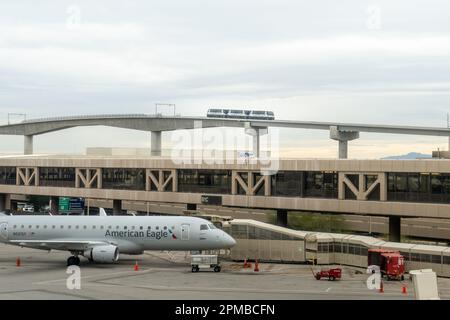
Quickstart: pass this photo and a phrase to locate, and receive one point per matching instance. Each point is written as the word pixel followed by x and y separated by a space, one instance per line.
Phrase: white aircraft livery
pixel 101 238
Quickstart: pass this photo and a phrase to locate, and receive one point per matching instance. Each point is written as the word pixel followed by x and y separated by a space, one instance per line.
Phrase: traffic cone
pixel 404 291
pixel 18 262
pixel 136 266
pixel 381 287
pixel 256 266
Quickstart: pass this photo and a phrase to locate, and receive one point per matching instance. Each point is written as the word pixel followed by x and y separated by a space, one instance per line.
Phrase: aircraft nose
pixel 228 240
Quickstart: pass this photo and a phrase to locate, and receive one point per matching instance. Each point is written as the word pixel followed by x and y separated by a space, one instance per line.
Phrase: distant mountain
pixel 409 156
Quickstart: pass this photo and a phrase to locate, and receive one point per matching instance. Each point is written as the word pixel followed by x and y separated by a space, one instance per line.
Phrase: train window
pixel 275 235
pixel 337 247
pixel 415 257
pixel 351 249
pixel 446 260
pixel 436 259
pixel 364 251
pixel 425 257
pixel 286 237
pixel 344 248
pixel 203 227
pixel 263 234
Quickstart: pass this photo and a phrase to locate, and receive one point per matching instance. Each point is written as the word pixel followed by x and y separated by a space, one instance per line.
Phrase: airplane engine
pixel 103 254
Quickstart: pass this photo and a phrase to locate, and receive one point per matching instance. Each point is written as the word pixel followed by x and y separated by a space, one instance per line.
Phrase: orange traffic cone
pixel 256 266
pixel 18 262
pixel 381 287
pixel 136 266
pixel 404 291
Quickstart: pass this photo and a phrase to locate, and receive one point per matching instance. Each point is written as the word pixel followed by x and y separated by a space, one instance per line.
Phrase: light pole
pixel 16 114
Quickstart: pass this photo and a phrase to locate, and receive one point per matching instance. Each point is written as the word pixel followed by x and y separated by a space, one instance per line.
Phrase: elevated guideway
pixel 156 124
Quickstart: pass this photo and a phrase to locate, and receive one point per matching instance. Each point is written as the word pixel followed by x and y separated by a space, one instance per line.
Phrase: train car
pixel 217 113
pixel 240 114
pixel 261 115
pixel 237 114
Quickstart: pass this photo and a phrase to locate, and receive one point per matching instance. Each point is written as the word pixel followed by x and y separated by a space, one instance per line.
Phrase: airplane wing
pixel 69 245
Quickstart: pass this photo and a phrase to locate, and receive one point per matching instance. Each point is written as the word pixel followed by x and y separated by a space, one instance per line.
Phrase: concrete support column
pixel 256 133
pixel 282 218
pixel 117 207
pixel 28 145
pixel 3 198
pixel 54 205
pixel 256 145
pixel 343 137
pixel 394 229
pixel 343 149
pixel 156 137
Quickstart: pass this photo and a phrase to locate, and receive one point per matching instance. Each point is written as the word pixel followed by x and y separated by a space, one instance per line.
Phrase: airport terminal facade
pixel 401 186
pixel 391 188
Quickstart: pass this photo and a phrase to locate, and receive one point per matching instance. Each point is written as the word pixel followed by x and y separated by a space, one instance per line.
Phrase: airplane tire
pixel 73 261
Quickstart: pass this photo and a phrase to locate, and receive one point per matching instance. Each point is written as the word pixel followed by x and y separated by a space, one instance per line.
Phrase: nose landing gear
pixel 73 261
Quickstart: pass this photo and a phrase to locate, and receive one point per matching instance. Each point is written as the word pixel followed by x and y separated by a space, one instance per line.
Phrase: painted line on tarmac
pixel 133 273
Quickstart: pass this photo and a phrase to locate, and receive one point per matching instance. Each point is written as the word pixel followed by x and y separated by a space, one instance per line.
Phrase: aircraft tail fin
pixel 102 212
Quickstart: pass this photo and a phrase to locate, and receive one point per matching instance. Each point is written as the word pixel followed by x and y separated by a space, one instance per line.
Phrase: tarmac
pixel 167 276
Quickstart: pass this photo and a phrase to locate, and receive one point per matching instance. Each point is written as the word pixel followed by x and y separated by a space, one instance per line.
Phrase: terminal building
pixel 388 188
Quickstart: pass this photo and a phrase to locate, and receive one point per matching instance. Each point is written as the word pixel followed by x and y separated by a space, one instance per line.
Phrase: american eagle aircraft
pixel 101 238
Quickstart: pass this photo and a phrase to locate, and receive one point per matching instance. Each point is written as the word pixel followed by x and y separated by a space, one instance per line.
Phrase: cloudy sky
pixel 385 62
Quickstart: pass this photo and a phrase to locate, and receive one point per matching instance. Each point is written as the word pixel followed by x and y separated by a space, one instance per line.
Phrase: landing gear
pixel 73 261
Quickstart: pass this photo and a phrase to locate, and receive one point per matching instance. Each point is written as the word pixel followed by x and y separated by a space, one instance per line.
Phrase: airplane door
pixel 4 230
pixel 185 232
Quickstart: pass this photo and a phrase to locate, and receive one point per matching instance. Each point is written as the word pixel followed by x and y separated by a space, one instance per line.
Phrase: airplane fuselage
pixel 132 235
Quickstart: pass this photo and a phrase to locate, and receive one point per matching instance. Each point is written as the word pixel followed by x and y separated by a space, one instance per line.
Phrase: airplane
pixel 101 238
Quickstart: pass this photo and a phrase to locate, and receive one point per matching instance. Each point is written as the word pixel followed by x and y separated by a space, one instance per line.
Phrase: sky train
pixel 240 114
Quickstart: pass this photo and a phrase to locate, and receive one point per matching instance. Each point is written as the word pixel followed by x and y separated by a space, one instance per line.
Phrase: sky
pixel 380 62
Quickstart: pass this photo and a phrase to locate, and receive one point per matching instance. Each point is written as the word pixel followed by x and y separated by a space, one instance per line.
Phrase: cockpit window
pixel 212 227
pixel 203 227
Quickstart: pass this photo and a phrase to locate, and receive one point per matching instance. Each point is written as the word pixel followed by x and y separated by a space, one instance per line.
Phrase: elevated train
pixel 240 114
